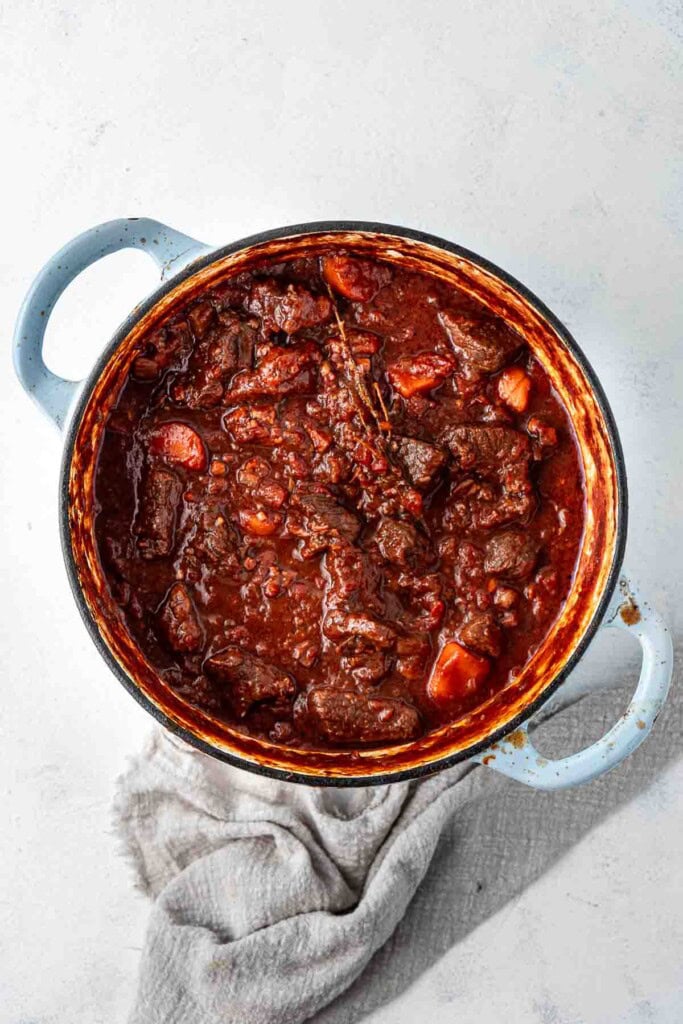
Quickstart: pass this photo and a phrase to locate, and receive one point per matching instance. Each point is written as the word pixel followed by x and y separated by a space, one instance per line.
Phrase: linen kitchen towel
pixel 270 898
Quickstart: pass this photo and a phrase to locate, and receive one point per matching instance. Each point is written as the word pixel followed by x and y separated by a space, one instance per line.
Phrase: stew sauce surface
pixel 338 503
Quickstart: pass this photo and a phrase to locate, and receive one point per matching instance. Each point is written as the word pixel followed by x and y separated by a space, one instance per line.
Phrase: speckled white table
pixel 543 136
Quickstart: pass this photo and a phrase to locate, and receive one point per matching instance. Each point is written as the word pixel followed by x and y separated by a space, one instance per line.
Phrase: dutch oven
pixel 602 594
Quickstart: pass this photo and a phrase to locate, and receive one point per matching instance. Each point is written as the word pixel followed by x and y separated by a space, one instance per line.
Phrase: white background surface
pixel 544 136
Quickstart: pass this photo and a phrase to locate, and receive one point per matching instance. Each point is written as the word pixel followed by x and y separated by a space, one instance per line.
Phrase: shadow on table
pixel 540 827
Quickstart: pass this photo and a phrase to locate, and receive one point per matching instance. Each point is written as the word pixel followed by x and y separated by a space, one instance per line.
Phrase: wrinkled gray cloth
pixel 271 898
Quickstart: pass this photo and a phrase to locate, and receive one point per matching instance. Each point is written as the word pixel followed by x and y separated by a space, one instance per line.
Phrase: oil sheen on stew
pixel 339 503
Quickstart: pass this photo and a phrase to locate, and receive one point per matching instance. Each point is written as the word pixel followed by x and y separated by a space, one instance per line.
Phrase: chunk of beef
pixel 282 371
pixel 261 490
pixel 483 343
pixel 255 424
pixel 179 622
pixel 488 449
pixel 481 633
pixel 227 346
pixel 413 653
pixel 352 585
pixel 232 343
pixel 349 574
pixel 208 539
pixel 343 716
pixel 169 346
pixel 253 470
pixel 200 318
pixel 383 486
pixel 412 375
pixel 511 553
pixel 336 400
pixel 146 367
pixel 324 515
pixel 487 505
pixel 363 663
pixel 423 596
pixel 334 467
pixel 232 293
pixel 500 456
pixel 249 680
pixel 355 278
pixel 339 626
pixel 117 554
pixel 396 540
pixel 517 498
pixel 467 560
pixel 214 538
pixel 361 344
pixel 197 391
pixel 422 461
pixel 270 493
pixel 246 344
pixel 158 511
pixel 287 309
pixel 218 355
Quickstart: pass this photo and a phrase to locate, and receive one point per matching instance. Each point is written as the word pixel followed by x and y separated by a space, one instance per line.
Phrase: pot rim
pixel 364 227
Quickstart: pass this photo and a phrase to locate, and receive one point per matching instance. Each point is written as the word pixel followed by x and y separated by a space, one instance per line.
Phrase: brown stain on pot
pixel 630 612
pixel 592 573
pixel 517 739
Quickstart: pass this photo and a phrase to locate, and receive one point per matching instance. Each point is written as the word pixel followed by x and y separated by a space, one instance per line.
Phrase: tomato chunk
pixel 179 445
pixel 414 375
pixel 457 674
pixel 514 386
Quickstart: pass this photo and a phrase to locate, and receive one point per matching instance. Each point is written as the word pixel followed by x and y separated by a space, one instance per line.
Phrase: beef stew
pixel 339 503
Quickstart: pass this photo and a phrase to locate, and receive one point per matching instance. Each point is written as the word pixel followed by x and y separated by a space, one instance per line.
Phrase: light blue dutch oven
pixel 603 596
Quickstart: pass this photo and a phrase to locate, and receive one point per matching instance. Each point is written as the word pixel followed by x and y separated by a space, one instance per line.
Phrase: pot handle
pixel 169 249
pixel 516 755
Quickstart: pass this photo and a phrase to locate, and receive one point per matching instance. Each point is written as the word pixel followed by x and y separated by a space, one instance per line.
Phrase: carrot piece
pixel 408 384
pixel 514 386
pixel 413 375
pixel 456 674
pixel 179 445
pixel 260 523
pixel 355 279
pixel 545 434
